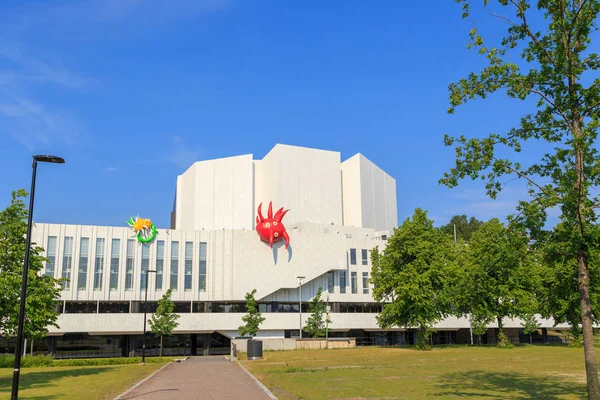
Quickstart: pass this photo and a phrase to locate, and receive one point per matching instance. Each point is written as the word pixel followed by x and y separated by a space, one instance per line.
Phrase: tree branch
pixel 540 187
pixel 530 34
pixel 581 5
pixel 590 108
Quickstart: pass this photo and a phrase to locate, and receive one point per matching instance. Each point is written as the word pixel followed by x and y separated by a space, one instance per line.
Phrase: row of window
pixel 353 282
pixel 105 307
pixel 364 255
pixel 114 262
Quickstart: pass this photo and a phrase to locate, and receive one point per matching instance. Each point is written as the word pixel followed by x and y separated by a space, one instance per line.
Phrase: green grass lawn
pixel 73 383
pixel 525 372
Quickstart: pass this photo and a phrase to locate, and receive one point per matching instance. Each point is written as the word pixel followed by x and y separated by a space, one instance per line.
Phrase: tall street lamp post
pixel 300 279
pixel 19 346
pixel 327 323
pixel 145 310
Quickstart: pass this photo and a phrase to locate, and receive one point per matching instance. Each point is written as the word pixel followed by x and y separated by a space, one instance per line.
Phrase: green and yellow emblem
pixel 144 229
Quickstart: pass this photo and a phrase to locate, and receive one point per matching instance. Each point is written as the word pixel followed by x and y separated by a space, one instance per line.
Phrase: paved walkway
pixel 200 378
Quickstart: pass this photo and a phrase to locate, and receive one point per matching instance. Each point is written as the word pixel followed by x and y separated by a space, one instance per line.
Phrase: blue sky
pixel 131 92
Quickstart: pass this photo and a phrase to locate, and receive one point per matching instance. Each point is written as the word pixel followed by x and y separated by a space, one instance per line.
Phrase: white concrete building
pixel 212 256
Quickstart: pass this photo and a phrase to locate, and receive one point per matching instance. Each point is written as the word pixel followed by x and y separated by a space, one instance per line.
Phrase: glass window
pixel 202 269
pixel 145 265
pixel 343 282
pixel 189 260
pixel 99 264
pixel 352 256
pixel 129 264
pixel 67 262
pixel 174 264
pixel 84 248
pixel 51 256
pixel 160 260
pixel 365 257
pixel 330 282
pixel 353 282
pixel 114 263
pixel 365 276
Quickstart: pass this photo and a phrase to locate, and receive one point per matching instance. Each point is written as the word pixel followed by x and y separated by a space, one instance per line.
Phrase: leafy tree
pixel 315 324
pixel 253 318
pixel 498 280
pixel 415 276
pixel 479 327
pixel 43 292
pixel 559 296
pixel 464 227
pixel 164 320
pixel 530 325
pixel 551 64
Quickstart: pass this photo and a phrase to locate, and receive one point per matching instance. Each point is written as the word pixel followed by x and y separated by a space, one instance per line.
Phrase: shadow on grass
pixel 508 385
pixel 36 380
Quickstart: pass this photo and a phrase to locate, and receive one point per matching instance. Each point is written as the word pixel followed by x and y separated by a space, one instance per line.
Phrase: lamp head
pixel 49 159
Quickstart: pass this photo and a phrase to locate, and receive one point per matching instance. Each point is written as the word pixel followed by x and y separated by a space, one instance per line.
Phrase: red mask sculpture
pixel 271 229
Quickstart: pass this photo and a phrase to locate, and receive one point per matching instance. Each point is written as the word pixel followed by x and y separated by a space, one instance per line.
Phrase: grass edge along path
pixel 525 372
pixel 76 382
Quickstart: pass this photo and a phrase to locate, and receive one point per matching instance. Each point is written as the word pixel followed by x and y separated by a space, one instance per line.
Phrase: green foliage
pixel 546 55
pixel 416 276
pixel 498 280
pixel 503 341
pixel 82 362
pixel 43 292
pixel 530 324
pixel 315 324
pixel 464 227
pixel 253 318
pixel 423 341
pixel 28 361
pixel 49 361
pixel 164 320
pixel 558 274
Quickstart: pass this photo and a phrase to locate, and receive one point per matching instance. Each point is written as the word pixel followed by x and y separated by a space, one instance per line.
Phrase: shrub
pixel 7 361
pixel 82 362
pixel 28 361
pixel 49 361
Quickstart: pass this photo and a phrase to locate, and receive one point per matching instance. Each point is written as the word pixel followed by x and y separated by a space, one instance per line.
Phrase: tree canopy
pixel 415 276
pixel 499 279
pixel 315 323
pixel 43 292
pixel 253 318
pixel 545 57
pixel 465 227
pixel 164 320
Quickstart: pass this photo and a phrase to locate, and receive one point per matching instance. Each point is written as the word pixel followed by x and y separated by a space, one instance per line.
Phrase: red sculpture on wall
pixel 271 229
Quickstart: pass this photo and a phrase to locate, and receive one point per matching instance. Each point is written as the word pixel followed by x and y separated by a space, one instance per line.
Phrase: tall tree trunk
pixel 499 339
pixel 530 339
pixel 591 370
pixel 589 350
pixel 160 346
pixel 31 352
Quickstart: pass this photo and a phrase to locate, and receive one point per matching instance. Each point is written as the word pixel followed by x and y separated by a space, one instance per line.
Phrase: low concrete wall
pixel 268 344
pixel 313 344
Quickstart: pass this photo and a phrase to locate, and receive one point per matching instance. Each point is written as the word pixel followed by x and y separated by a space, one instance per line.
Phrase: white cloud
pixel 180 154
pixel 111 169
pixel 21 115
pixel 31 123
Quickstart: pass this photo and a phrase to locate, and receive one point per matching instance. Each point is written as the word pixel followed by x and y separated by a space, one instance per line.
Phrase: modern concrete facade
pixel 315 184
pixel 339 212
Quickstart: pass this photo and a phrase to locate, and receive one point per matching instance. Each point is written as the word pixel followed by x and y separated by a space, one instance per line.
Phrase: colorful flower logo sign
pixel 144 229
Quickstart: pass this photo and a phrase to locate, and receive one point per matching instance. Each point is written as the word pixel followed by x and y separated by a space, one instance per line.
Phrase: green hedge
pixel 27 362
pixel 80 362
pixel 49 361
